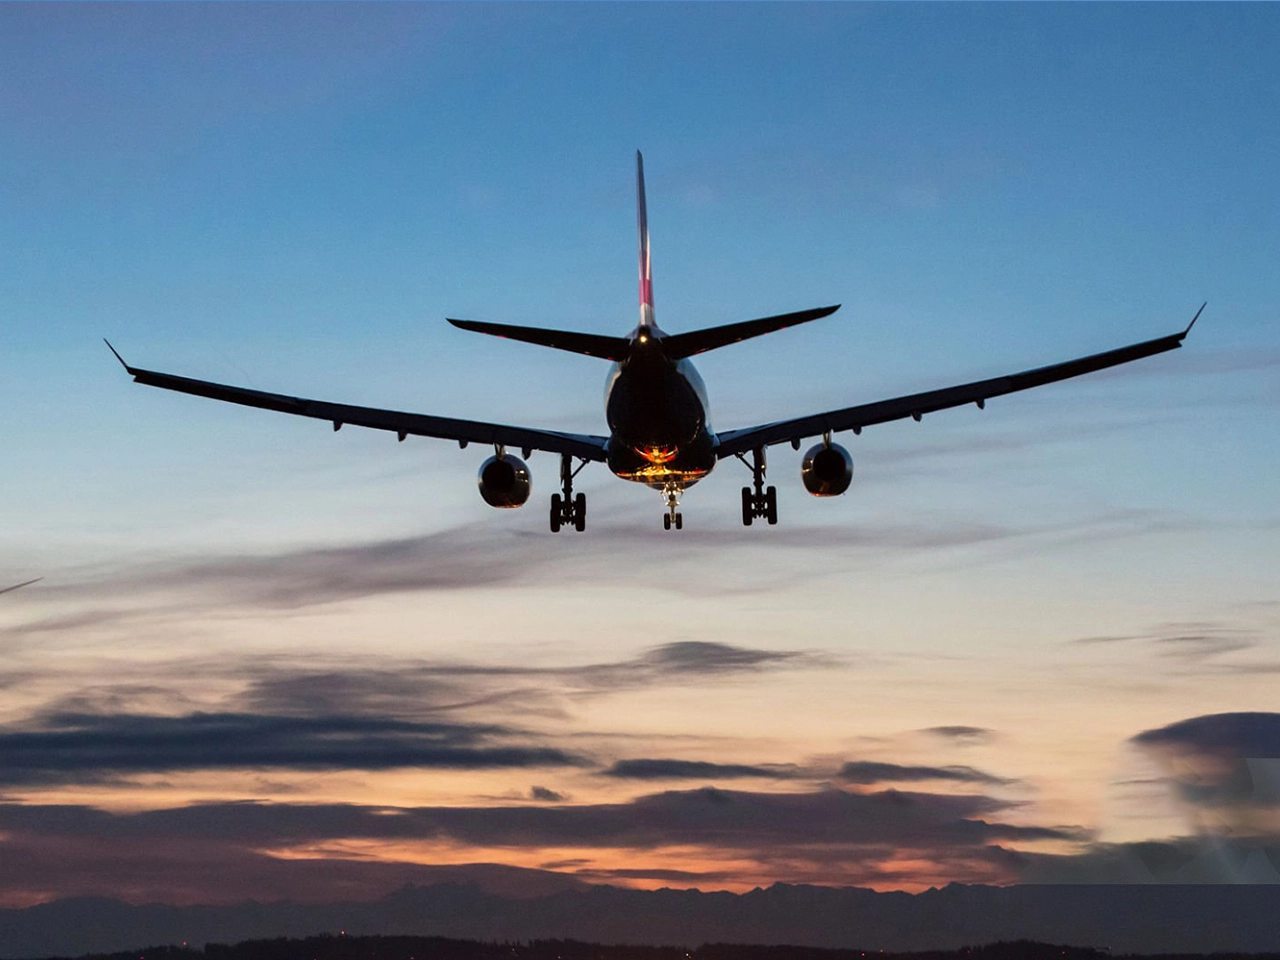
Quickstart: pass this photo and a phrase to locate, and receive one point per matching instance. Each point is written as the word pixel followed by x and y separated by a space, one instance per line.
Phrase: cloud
pixel 1180 860
pixel 693 770
pixel 961 734
pixel 1222 734
pixel 77 747
pixel 1223 760
pixel 799 835
pixel 405 688
pixel 545 794
pixel 1223 769
pixel 1197 645
pixel 442 685
pixel 869 772
pixel 259 715
pixel 176 592
pixel 1198 642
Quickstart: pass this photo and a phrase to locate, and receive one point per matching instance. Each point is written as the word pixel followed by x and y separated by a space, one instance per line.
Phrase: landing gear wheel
pixel 757 500
pixel 679 521
pixel 566 509
pixel 666 521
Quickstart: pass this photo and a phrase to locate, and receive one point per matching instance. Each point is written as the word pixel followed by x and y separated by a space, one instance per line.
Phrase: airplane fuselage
pixel 656 408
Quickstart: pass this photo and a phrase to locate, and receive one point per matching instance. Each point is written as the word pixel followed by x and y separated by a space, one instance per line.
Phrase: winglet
pixel 127 368
pixel 642 219
pixel 16 586
pixel 1194 319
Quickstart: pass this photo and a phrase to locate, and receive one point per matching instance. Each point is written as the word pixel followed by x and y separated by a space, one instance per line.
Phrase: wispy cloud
pixel 869 772
pixel 170 594
pixel 429 714
pixel 1193 644
pixel 70 748
pixel 961 734
pixel 696 770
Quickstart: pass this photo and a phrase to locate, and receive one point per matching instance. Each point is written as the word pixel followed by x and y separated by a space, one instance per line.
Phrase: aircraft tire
pixel 666 521
pixel 771 504
pixel 748 508
pixel 679 521
pixel 556 512
pixel 580 512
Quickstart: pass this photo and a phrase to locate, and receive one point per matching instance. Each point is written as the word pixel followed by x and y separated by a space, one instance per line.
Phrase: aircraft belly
pixel 657 422
pixel 660 466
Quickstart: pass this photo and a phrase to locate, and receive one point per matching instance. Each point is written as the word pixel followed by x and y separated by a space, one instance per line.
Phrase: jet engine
pixel 827 470
pixel 504 481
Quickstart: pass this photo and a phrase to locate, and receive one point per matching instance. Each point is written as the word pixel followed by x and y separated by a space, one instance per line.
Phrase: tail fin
pixel 646 277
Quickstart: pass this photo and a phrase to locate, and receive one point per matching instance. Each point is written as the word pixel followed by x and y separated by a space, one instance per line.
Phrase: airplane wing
pixel 916 405
pixel 25 583
pixel 583 446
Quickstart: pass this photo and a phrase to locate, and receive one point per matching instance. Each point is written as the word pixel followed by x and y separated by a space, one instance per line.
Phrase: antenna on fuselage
pixel 646 276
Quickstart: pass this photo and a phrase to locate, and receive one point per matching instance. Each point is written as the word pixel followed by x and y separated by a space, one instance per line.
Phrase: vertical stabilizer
pixel 646 277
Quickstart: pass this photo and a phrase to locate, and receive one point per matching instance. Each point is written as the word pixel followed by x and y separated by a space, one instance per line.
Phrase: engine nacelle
pixel 504 481
pixel 827 470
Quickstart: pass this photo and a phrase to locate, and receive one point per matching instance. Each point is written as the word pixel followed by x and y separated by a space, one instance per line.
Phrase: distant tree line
pixel 342 947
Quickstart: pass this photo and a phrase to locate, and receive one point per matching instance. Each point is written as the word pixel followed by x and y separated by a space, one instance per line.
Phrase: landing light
pixel 658 455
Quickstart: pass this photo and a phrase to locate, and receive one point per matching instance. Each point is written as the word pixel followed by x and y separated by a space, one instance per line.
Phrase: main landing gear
pixel 758 500
pixel 566 509
pixel 673 517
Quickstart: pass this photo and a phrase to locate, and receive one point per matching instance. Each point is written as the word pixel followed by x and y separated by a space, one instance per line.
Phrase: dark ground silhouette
pixel 329 947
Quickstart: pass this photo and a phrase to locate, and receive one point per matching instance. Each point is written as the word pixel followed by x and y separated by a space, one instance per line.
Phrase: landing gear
pixel 758 500
pixel 566 509
pixel 673 516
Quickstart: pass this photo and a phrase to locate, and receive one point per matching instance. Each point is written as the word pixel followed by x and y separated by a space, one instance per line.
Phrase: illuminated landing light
pixel 658 455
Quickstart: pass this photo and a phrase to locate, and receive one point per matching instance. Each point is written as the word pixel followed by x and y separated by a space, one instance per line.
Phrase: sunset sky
pixel 1034 643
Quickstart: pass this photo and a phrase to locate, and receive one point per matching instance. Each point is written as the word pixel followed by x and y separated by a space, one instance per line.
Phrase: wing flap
pixel 918 404
pixel 582 446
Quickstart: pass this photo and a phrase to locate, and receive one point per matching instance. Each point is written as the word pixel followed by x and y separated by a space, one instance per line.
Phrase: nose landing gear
pixel 673 516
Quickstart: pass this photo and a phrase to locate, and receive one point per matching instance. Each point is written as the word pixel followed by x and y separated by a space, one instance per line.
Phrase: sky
pixel 1035 643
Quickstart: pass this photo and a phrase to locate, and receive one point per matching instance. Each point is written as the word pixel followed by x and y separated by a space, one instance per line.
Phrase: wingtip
pixel 17 586
pixel 1195 318
pixel 117 355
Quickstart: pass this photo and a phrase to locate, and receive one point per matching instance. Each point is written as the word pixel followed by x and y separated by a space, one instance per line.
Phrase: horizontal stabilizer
pixel 677 346
pixel 590 344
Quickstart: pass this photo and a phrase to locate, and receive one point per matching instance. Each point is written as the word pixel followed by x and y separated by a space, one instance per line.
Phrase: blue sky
pixel 293 197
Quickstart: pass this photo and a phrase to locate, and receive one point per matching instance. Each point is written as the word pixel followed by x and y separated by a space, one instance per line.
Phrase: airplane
pixel 657 411
pixel 25 583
